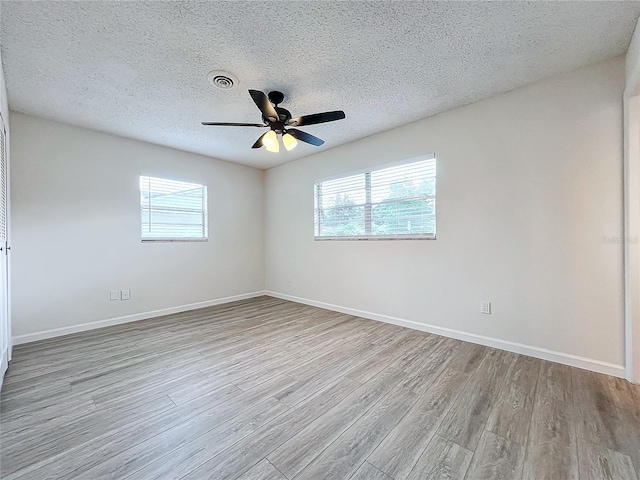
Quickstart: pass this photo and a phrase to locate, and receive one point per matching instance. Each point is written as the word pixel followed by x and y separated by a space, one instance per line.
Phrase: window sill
pixel 169 240
pixel 377 238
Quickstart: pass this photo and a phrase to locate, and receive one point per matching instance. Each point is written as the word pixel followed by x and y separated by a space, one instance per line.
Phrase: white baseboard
pixel 528 350
pixel 58 332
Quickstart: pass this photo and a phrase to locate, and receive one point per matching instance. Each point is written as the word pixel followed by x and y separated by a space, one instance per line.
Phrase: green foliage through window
pixel 392 202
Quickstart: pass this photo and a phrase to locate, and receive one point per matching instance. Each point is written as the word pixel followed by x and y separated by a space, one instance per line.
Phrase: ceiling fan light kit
pixel 279 122
pixel 270 141
pixel 289 141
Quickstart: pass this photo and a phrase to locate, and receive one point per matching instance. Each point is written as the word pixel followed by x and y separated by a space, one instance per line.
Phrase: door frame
pixel 7 148
pixel 7 354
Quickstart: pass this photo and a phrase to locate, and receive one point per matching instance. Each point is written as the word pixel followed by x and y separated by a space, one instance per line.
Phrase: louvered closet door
pixel 5 329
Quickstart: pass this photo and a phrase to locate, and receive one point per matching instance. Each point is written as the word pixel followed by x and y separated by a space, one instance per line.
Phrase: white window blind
pixel 393 202
pixel 172 210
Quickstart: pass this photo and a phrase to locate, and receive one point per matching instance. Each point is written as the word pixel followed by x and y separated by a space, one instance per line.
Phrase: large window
pixel 172 210
pixel 393 202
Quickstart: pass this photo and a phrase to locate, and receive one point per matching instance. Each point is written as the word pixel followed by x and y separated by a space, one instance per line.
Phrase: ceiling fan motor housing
pixel 284 114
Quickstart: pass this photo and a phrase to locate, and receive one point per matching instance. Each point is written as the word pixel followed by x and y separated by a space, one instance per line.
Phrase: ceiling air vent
pixel 221 79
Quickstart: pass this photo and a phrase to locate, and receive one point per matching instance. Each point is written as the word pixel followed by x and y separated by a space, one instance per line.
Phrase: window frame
pixel 367 205
pixel 205 212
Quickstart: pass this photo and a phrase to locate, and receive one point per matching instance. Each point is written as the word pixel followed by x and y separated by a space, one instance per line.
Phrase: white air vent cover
pixel 221 79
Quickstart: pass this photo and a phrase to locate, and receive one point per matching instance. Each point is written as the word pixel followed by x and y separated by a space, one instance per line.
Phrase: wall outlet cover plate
pixel 485 307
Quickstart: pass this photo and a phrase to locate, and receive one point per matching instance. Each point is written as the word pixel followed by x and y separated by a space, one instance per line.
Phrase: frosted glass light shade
pixel 270 141
pixel 289 141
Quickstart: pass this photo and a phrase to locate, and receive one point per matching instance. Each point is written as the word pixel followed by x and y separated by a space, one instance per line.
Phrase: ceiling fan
pixel 280 122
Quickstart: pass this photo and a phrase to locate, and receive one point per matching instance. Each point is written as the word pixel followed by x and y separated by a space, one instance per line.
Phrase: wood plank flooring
pixel 266 389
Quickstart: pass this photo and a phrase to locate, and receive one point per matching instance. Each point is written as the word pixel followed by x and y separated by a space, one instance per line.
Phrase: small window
pixel 394 202
pixel 172 210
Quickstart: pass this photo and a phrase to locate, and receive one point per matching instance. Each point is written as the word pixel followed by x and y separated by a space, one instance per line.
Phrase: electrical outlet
pixel 485 307
pixel 124 294
pixel 113 295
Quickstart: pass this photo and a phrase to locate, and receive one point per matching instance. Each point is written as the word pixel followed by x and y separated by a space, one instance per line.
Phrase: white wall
pixel 632 207
pixel 76 229
pixel 632 64
pixel 4 105
pixel 529 183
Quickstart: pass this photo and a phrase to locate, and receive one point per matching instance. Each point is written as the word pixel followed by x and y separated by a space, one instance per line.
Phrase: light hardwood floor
pixel 273 390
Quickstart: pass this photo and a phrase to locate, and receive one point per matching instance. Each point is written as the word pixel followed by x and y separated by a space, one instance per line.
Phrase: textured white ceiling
pixel 139 69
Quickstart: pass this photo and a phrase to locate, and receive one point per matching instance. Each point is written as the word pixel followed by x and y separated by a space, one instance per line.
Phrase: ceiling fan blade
pixel 317 118
pixel 234 124
pixel 264 105
pixel 258 143
pixel 305 137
